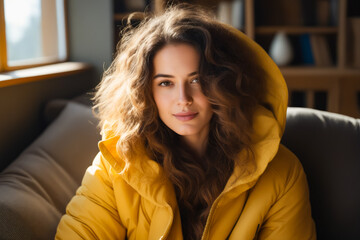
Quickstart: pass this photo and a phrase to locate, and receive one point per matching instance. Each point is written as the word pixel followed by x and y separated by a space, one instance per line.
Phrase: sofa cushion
pixel 37 186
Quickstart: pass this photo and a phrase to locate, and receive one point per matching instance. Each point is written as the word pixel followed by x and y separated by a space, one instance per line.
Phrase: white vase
pixel 281 50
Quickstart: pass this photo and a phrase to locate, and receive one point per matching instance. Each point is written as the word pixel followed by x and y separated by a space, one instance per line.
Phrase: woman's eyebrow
pixel 171 76
pixel 163 75
pixel 192 74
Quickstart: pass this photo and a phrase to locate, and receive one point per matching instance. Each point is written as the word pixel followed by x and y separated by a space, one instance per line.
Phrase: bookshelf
pixel 332 28
pixel 295 30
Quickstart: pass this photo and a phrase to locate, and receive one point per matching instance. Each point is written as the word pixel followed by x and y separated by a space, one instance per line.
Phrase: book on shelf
pixel 334 12
pixel 315 50
pixel 321 50
pixel 323 12
pixel 308 9
pixel 279 12
pixel 291 12
pixel 128 6
pixel 306 49
pixel 297 12
pixel 354 42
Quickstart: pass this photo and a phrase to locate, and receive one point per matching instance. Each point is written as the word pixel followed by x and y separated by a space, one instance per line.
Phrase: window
pixel 32 32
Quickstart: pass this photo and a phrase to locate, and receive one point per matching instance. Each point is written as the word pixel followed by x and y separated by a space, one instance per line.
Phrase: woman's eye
pixel 195 80
pixel 165 83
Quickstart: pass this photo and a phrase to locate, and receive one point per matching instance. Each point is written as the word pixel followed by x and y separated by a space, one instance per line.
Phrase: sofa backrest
pixel 328 146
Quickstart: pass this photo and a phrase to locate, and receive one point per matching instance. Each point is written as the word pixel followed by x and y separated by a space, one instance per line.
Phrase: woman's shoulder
pixel 286 159
pixel 285 168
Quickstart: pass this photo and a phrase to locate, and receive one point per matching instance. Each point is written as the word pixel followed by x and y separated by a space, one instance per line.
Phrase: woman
pixel 192 113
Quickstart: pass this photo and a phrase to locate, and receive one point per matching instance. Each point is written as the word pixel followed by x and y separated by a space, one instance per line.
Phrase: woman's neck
pixel 197 143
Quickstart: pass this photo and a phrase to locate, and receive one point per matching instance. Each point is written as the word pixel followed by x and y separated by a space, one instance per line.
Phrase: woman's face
pixel 177 92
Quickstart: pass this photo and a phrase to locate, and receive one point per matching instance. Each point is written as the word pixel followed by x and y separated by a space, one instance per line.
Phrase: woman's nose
pixel 184 96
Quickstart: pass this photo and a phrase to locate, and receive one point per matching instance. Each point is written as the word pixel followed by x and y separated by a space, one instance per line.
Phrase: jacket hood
pixel 276 97
pixel 270 116
pixel 269 125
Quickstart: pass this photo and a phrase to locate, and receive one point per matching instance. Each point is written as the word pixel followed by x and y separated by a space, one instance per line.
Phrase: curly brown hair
pixel 126 107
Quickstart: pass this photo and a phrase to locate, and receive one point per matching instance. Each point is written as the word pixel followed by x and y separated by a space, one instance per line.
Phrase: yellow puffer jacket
pixel 140 203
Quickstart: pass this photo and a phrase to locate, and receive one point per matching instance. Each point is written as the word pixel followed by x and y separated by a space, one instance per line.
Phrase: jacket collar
pixel 143 174
pixel 148 178
pixel 265 143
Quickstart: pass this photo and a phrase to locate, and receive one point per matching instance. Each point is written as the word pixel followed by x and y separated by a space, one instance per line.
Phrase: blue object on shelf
pixel 306 51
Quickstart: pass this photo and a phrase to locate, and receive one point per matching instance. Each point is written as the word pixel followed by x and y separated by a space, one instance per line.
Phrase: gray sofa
pixel 36 187
pixel 328 146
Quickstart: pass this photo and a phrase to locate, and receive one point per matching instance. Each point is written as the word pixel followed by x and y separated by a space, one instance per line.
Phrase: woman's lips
pixel 185 116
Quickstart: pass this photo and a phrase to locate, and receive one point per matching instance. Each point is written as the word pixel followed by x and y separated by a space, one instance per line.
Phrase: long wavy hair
pixel 126 107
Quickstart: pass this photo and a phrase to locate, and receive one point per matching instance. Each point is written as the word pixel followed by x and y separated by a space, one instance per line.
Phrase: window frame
pixel 4 67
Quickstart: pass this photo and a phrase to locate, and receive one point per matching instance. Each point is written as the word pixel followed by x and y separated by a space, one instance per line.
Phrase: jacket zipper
pixel 210 217
pixel 247 197
pixel 211 213
pixel 257 232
